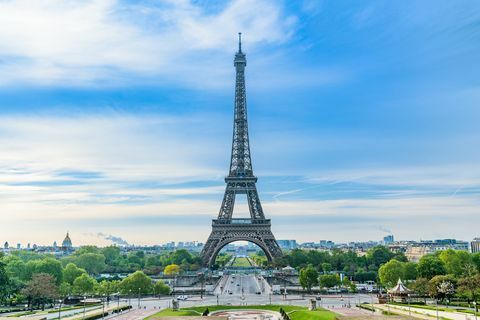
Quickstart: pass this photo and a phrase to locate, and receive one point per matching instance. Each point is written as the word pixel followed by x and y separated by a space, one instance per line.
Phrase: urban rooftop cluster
pixel 412 249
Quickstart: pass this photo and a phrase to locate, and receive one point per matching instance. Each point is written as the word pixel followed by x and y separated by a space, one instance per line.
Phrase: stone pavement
pixel 135 314
pixel 425 313
pixel 351 312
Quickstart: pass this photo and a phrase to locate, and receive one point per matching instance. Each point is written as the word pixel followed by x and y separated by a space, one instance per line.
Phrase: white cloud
pixel 85 42
pixel 57 172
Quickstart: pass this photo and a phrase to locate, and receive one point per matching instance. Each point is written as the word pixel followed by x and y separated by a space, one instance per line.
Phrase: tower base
pixel 226 231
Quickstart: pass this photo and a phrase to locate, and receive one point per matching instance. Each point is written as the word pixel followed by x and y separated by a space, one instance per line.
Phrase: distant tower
pixel 240 180
pixel 6 245
pixel 19 246
pixel 388 239
pixel 55 244
pixel 67 243
pixel 28 245
pixel 475 245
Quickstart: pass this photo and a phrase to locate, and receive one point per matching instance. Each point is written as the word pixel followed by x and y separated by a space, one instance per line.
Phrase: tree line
pixel 442 275
pixel 36 279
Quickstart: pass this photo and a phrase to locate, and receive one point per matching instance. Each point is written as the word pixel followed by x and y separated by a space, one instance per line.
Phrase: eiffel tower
pixel 240 180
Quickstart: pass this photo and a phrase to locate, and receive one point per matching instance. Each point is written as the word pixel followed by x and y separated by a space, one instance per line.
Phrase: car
pixel 318 298
pixel 182 297
pixel 230 292
pixel 258 292
pixel 238 284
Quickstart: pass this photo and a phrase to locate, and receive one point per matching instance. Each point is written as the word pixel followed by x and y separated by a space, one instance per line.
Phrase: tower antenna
pixel 239 42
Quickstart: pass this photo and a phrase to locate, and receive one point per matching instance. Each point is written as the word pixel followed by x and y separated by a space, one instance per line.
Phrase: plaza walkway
pixel 135 314
pixel 425 313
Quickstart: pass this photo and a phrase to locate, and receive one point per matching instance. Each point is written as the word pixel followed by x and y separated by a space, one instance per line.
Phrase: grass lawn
pixel 241 262
pixel 170 312
pixel 296 313
pixel 312 315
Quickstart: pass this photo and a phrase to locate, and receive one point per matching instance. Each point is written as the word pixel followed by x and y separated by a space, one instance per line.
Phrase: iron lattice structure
pixel 240 180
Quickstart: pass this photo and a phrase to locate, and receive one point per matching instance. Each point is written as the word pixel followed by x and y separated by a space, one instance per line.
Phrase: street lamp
pixel 436 306
pixel 270 297
pixel 129 297
pixel 373 308
pixel 103 307
pixel 409 309
pixel 84 305
pixel 59 308
pixel 201 287
pixel 138 298
pixel 475 309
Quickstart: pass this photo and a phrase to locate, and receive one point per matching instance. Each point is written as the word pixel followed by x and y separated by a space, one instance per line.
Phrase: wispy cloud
pixel 82 43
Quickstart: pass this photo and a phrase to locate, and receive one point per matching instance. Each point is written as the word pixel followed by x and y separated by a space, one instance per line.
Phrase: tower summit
pixel 240 180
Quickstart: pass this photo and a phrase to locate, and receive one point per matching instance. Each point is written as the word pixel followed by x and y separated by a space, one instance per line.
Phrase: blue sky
pixel 116 117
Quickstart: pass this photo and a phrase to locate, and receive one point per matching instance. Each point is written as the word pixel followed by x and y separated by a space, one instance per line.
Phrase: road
pixel 241 284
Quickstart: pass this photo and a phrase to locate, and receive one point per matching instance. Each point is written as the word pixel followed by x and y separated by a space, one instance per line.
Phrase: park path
pixel 425 313
pixel 350 312
pixel 136 314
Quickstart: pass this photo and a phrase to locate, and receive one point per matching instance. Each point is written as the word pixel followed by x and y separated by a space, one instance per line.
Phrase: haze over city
pixel 363 118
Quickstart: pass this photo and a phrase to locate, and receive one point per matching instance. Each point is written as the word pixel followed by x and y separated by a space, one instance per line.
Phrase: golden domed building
pixel 67 243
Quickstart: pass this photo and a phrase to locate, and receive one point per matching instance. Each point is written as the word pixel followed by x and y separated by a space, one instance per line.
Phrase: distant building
pixel 326 244
pixel 67 243
pixel 288 244
pixel 417 250
pixel 55 245
pixel 388 240
pixel 6 245
pixel 19 246
pixel 475 245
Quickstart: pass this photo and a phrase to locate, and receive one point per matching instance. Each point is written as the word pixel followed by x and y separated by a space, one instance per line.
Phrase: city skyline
pixel 123 127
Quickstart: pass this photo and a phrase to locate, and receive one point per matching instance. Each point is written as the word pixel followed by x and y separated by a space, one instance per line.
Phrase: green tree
pixel 441 287
pixel 87 249
pixel 137 281
pixel 179 256
pixel 308 278
pixel 72 272
pixel 40 290
pixel 329 280
pixel 107 287
pixel 160 288
pixel 171 270
pixel 456 262
pixel 410 271
pixel 326 267
pixel 390 272
pixel 297 258
pixel 93 263
pixel 430 266
pixel 84 285
pixel 4 283
pixel 420 287
pixel 362 276
pixel 469 287
pixel 15 267
pixel 65 289
pixel 112 254
pixel 47 265
pixel 379 255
